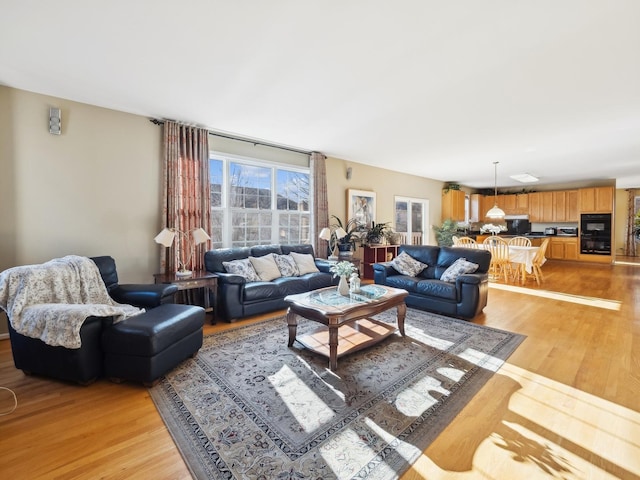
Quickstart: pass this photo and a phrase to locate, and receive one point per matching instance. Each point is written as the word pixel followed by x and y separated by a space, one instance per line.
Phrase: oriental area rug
pixel 249 407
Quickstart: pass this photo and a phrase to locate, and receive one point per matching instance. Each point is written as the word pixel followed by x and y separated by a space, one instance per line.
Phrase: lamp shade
pixel 340 232
pixel 495 212
pixel 325 234
pixel 199 236
pixel 165 237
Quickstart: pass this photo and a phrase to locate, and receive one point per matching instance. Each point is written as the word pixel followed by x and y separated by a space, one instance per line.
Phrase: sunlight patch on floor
pixel 584 422
pixel 565 297
pixel 550 430
pixel 292 390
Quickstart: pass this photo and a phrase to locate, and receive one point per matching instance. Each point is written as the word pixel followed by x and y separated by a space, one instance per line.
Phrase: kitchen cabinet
pixel 572 211
pixel 559 200
pixel 596 200
pixel 563 248
pixel 557 206
pixel 535 213
pixel 541 207
pixel 453 205
pixel 565 206
pixel 377 254
pixel 546 206
pixel 514 203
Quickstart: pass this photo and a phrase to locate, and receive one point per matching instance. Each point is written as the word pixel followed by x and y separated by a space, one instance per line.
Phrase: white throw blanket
pixel 52 300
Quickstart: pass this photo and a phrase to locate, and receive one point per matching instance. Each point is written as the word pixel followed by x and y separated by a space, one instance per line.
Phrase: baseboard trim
pixel 4 336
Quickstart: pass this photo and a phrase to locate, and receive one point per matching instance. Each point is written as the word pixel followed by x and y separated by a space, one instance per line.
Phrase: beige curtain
pixel 317 164
pixel 186 203
pixel 630 239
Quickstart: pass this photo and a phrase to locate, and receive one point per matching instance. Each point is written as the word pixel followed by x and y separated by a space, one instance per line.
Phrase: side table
pixel 199 279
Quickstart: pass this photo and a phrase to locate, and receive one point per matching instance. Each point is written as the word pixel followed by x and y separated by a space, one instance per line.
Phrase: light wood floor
pixel 566 405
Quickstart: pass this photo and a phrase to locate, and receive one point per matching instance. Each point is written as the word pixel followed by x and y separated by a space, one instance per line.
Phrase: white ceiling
pixel 440 89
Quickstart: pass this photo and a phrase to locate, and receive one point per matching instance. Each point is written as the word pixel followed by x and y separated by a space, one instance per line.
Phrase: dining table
pixel 520 255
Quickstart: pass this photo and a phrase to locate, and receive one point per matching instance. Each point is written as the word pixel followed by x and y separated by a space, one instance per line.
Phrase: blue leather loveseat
pixel 464 298
pixel 237 297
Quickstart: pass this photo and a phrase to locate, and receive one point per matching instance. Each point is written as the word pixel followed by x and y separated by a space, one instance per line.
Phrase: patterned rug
pixel 249 407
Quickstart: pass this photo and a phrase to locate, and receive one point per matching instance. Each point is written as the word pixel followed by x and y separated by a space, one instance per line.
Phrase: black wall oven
pixel 595 233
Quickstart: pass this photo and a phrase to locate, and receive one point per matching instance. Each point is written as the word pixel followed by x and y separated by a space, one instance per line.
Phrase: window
pixel 257 202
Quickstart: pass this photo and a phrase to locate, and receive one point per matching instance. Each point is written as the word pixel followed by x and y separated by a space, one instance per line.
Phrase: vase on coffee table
pixel 343 286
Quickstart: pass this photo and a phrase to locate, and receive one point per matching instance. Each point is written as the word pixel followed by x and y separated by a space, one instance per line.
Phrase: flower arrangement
pixel 493 229
pixel 342 269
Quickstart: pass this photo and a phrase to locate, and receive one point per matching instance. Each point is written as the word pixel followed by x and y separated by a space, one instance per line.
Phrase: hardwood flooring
pixel 565 405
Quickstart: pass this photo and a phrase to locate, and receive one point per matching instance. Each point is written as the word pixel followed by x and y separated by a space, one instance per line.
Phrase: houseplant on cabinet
pixel 376 233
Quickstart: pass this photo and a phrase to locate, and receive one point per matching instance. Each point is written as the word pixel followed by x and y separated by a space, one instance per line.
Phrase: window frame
pixel 225 239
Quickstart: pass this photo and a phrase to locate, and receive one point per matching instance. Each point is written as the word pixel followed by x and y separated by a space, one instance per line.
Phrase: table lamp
pixel 187 240
pixel 332 236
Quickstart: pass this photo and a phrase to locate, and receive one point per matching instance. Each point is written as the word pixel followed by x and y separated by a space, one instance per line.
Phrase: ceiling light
pixel 496 211
pixel 525 178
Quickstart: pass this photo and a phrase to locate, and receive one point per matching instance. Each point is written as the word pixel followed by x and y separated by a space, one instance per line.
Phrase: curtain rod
pixel 155 121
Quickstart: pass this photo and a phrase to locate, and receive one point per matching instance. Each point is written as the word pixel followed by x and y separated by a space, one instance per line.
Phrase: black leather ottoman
pixel 145 347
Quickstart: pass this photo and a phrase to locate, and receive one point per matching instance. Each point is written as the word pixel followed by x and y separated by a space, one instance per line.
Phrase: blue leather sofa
pixel 237 298
pixel 465 298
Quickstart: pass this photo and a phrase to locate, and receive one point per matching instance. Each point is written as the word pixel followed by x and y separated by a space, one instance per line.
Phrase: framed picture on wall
pixel 361 206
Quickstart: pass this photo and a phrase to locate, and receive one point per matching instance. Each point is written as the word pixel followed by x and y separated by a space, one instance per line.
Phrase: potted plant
pixel 346 243
pixel 376 233
pixel 445 232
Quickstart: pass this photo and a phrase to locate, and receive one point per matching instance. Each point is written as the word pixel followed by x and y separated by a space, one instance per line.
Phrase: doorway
pixel 411 219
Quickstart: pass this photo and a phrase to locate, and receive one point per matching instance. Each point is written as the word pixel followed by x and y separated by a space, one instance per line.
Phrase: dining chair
pixel 500 264
pixel 466 242
pixel 538 260
pixel 455 239
pixel 519 241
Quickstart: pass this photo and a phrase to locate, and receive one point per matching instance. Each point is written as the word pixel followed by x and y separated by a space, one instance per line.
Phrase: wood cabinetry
pixel 535 212
pixel 596 200
pixel 546 206
pixel 558 206
pixel 376 254
pixel 572 211
pixel 563 248
pixel 453 205
pixel 514 203
pixel 565 206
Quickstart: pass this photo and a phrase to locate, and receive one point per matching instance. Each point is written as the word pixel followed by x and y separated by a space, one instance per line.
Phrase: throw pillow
pixel 287 265
pixel 305 262
pixel 457 268
pixel 407 265
pixel 243 268
pixel 265 267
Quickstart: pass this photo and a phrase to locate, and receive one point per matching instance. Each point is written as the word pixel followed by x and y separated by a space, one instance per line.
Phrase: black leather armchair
pixel 139 295
pixel 85 364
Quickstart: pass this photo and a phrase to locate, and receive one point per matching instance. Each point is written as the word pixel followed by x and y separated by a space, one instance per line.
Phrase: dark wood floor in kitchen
pixel 566 404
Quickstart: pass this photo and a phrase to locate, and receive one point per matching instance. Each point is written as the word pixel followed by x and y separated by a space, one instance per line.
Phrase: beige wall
pixel 94 190
pixel 386 184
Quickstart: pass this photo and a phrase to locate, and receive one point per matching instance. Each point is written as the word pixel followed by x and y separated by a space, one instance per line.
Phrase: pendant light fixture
pixel 495 212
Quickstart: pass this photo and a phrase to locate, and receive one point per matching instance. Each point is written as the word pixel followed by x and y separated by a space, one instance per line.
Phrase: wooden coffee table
pixel 348 327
